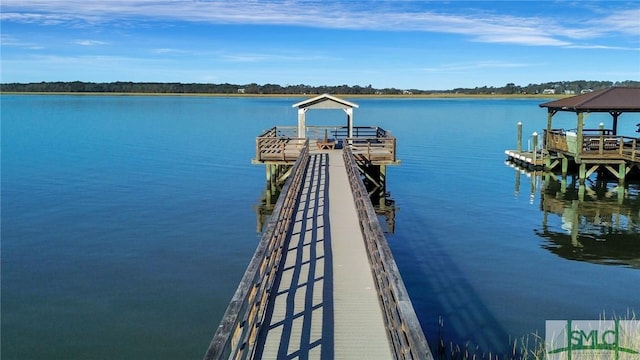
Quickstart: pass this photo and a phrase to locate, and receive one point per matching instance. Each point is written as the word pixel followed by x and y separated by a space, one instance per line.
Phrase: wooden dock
pixel 527 159
pixel 322 283
pixel 588 150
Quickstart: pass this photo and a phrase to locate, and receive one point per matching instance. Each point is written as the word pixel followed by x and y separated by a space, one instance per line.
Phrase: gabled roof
pixel 325 101
pixel 622 99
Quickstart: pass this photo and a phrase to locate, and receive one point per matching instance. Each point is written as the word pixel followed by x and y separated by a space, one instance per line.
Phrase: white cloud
pixel 604 47
pixel 90 42
pixel 479 25
pixel 35 18
pixel 624 21
pixel 522 39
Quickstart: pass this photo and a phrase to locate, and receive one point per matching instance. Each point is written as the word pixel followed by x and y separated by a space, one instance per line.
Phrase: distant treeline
pixel 563 87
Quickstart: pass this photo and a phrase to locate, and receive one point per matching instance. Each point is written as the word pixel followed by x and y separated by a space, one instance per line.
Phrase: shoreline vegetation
pixel 354 96
pixel 533 346
pixel 546 90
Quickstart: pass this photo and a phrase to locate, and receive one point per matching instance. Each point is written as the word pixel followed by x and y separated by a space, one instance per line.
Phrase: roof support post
pixel 615 115
pixel 302 127
pixel 349 112
pixel 550 114
pixel 580 135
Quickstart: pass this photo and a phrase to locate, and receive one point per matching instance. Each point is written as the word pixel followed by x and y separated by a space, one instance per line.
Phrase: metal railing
pixel 403 328
pixel 237 333
pixel 342 132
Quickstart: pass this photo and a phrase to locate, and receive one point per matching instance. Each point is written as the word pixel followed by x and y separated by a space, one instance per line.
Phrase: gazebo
pixel 614 100
pixel 595 147
pixel 324 101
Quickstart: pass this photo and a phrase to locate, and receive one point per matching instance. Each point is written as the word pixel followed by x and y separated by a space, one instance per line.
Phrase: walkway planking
pixel 326 305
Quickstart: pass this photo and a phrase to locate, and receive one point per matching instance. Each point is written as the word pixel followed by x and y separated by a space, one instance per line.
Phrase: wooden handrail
pixel 237 333
pixel 278 148
pixel 281 144
pixel 595 141
pixel 381 149
pixel 403 328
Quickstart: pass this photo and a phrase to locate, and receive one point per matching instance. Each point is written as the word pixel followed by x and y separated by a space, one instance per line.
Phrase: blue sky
pixel 401 43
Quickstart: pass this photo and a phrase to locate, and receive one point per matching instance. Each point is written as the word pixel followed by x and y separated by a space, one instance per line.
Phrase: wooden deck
pixel 372 144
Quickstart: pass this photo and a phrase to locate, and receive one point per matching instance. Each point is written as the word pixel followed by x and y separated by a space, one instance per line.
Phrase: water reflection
pixel 385 208
pixel 598 222
pixel 264 207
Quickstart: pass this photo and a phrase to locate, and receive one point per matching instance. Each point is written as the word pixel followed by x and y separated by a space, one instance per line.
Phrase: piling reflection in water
pixel 385 207
pixel 597 222
pixel 264 208
pixel 600 222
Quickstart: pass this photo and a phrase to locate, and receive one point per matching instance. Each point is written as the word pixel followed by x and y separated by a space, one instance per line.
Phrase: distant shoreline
pixel 354 96
pixel 122 88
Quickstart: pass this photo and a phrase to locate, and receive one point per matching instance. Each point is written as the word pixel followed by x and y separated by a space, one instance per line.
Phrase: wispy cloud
pixel 624 21
pixel 478 25
pixel 8 40
pixel 604 47
pixel 36 18
pixel 169 51
pixel 90 42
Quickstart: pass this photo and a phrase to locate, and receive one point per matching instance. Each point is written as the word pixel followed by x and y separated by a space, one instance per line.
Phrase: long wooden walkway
pixel 322 283
pixel 326 305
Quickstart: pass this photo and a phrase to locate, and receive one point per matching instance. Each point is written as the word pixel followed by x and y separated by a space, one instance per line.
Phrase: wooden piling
pixel 519 145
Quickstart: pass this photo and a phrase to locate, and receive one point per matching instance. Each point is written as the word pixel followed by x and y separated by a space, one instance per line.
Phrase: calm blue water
pixel 128 221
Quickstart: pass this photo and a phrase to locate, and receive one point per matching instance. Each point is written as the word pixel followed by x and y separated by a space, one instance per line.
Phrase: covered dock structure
pixel 373 147
pixel 593 149
pixel 324 101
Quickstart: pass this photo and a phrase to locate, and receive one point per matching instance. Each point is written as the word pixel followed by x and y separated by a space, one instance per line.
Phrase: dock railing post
pixel 519 146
